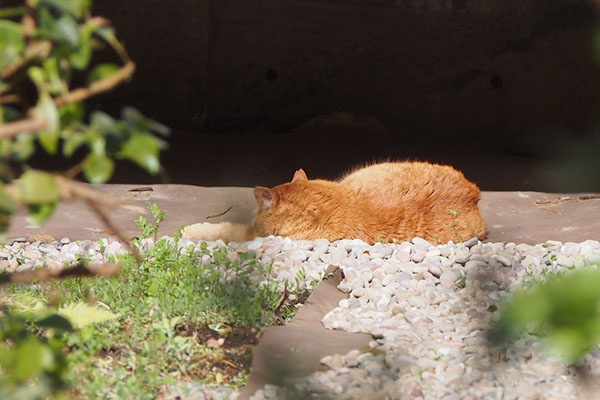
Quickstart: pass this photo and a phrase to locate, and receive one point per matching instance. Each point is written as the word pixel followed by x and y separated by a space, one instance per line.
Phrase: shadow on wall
pixel 481 73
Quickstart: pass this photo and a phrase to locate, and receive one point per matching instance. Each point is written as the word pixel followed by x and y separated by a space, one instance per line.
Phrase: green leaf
pixel 13 12
pixel 23 147
pixel 76 8
pixel 61 29
pixel 37 76
pixel 7 204
pixel 563 310
pixel 103 122
pixel 4 225
pixel 72 141
pixel 53 79
pixel 7 207
pixel 66 30
pixel 96 142
pixel 39 213
pixel 102 71
pixel 81 314
pixel 108 34
pixel 37 187
pixel 138 122
pixel 12 43
pixel 71 114
pixel 55 321
pixel 82 56
pixel 143 149
pixel 8 114
pixel 46 23
pixel 569 343
pixel 98 168
pixel 49 136
pixel 31 358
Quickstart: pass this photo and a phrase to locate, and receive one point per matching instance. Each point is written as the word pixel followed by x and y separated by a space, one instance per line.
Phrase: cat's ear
pixel 299 175
pixel 265 198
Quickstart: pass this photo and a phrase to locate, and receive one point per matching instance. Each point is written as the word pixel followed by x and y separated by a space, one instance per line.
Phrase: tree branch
pixel 97 87
pixel 70 189
pixel 35 124
pixel 9 99
pixel 14 128
pixel 113 228
pixel 47 274
pixel 34 50
pixel 75 170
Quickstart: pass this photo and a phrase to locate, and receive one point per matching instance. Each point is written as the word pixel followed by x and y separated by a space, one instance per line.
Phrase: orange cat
pixel 387 201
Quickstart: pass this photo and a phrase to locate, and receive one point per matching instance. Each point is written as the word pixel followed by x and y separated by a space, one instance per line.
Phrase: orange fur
pixel 387 201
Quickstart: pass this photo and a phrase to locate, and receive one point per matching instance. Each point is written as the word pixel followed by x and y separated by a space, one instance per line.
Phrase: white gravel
pixel 427 308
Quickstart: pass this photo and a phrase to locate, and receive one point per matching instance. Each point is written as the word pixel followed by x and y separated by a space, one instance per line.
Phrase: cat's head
pixel 289 209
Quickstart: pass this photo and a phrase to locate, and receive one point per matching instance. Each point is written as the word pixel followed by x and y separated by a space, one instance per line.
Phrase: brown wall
pixel 507 74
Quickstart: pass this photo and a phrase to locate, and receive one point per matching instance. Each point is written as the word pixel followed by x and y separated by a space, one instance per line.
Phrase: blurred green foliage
pixel 46 74
pixel 32 366
pixel 563 311
pixel 46 46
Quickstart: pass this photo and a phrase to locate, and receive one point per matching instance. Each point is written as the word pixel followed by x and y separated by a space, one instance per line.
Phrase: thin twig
pixel 72 189
pixel 32 124
pixel 34 50
pixel 47 274
pixel 11 69
pixel 280 302
pixel 94 206
pixel 10 99
pixel 69 190
pixel 98 21
pixel 75 170
pixel 96 87
pixel 221 214
pixel 120 50
pixel 28 25
pixel 232 365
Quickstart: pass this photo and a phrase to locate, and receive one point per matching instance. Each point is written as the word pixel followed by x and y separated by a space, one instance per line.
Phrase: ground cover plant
pixel 171 318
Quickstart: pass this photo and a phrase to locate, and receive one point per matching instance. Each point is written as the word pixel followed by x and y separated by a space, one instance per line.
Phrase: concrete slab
pixel 533 217
pixel 286 353
pixel 184 205
pixel 525 217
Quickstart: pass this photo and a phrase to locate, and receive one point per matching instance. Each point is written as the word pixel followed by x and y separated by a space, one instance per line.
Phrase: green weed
pixel 178 317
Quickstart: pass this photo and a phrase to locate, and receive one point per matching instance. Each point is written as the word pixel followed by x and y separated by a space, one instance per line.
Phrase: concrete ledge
pixel 524 217
pixel 292 351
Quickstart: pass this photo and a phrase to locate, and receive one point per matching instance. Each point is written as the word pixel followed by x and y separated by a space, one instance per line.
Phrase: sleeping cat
pixel 388 201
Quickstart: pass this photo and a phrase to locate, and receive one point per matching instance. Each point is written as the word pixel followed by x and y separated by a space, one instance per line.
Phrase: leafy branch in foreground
pixel 563 311
pixel 32 367
pixel 45 46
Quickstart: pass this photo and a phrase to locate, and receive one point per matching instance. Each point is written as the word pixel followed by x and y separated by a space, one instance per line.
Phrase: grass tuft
pixel 182 314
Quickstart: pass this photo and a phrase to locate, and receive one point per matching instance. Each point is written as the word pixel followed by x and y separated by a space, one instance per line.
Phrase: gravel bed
pixel 426 306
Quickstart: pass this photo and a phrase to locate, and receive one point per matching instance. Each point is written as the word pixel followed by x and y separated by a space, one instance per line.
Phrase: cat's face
pixel 287 209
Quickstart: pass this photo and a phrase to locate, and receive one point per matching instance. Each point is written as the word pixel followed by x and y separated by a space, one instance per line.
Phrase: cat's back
pixel 432 201
pixel 387 181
